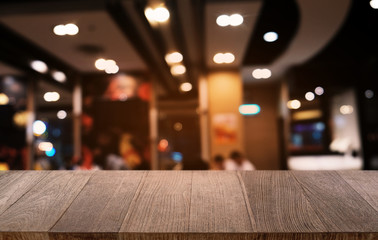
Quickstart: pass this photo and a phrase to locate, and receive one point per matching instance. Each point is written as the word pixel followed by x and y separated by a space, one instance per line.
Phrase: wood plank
pixel 101 206
pixel 14 185
pixel 278 203
pixel 218 203
pixel 365 183
pixel 24 236
pixel 161 205
pixel 40 208
pixel 336 203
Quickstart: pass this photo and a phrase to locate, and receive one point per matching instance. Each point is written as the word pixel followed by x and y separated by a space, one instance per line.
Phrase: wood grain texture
pixel 249 236
pixel 24 236
pixel 40 208
pixel 278 203
pixel 161 204
pixel 365 183
pixel 14 185
pixel 336 203
pixel 218 203
pixel 102 204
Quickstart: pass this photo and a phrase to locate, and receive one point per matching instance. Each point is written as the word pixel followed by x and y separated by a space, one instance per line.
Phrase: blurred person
pixel 236 161
pixel 218 163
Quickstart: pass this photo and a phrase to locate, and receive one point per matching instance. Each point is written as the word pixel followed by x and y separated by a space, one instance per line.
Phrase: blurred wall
pixel 226 124
pixel 261 134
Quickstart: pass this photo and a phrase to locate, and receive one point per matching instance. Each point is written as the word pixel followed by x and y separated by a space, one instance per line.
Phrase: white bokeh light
pixel 310 96
pixel 59 76
pixel 39 127
pixel 236 19
pixel 270 36
pixel 186 87
pixel 39 66
pixel 223 20
pixel 319 91
pixel 61 114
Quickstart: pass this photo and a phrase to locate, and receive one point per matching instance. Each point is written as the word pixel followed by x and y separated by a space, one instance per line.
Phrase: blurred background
pixel 170 84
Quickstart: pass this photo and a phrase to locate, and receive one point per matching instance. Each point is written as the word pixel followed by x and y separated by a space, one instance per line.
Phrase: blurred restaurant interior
pixel 170 84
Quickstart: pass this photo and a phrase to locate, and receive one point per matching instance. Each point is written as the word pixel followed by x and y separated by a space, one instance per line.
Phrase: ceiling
pixel 118 30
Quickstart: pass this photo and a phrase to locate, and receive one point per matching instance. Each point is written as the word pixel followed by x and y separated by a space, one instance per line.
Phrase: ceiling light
pixel 178 70
pixel 236 20
pixel 294 104
pixel 174 57
pixel 160 14
pixel 270 36
pixel 220 58
pixel 186 87
pixel 309 96
pixel 59 76
pixel 61 114
pixel 319 91
pixel 233 20
pixel 39 66
pixel 228 58
pixel 374 4
pixel 261 73
pixel 100 64
pixel 223 20
pixel 111 69
pixel 4 99
pixel 68 29
pixel 51 96
pixel 249 109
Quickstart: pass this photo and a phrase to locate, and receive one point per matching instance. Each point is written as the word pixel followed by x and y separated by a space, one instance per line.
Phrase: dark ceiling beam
pixel 181 43
pixel 18 52
pixel 129 28
pixel 198 16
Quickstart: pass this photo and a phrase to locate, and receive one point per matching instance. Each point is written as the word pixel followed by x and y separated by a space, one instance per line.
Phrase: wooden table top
pixel 189 205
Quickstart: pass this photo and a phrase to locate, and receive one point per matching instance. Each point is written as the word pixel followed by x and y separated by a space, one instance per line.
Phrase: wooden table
pixel 188 205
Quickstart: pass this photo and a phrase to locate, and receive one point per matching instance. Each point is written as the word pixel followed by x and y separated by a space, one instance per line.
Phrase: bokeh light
pixel 369 94
pixel 310 96
pixel 39 66
pixel 68 29
pixel 59 76
pixel 220 58
pixel 45 146
pixel 174 57
pixel 249 109
pixel 4 99
pixel 294 104
pixel 159 14
pixel 178 70
pixel 61 114
pixel 261 73
pixel 186 87
pixel 319 91
pixel 270 36
pixel 51 96
pixel 346 109
pixel 50 153
pixel 39 128
pixel 233 20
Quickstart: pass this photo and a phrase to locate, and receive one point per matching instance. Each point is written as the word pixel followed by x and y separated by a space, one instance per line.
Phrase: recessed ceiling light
pixel 59 76
pixel 39 66
pixel 160 14
pixel 233 20
pixel 261 73
pixel 374 4
pixel 110 66
pixel 174 57
pixel 178 70
pixel 236 20
pixel 220 58
pixel 270 36
pixel 309 96
pixel 68 29
pixel 186 87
